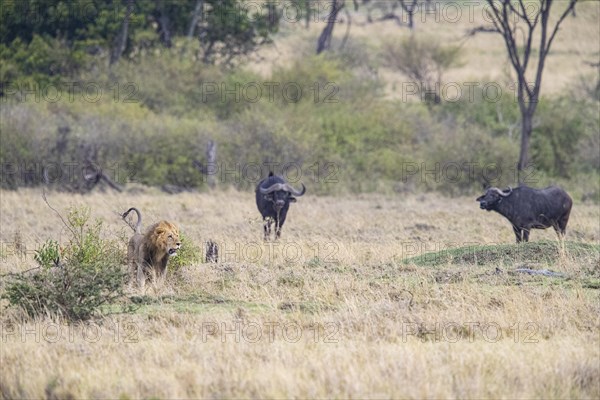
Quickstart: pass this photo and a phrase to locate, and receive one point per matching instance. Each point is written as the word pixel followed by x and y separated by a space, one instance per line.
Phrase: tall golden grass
pixel 331 310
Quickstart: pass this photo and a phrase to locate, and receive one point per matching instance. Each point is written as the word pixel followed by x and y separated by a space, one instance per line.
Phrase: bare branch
pixel 482 29
pixel 57 213
pixel 560 20
pixel 348 26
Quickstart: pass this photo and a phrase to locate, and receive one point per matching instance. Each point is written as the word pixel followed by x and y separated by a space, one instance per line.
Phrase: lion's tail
pixel 138 225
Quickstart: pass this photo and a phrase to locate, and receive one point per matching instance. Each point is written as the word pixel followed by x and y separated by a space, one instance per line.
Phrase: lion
pixel 148 253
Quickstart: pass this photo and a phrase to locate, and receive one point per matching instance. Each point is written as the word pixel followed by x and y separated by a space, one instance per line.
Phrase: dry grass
pixel 484 55
pixel 338 311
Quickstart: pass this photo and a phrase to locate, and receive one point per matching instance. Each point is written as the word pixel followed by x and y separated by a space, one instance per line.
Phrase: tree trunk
pixel 410 10
pixel 211 162
pixel 526 128
pixel 121 40
pixel 165 29
pixel 324 42
pixel 195 17
pixel 307 13
pixel 272 17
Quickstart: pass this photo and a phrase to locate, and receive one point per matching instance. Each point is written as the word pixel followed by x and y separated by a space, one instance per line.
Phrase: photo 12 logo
pixel 289 252
pixel 51 332
pixel 466 92
pixel 253 172
pixel 65 172
pixel 238 331
pixel 465 171
pixel 453 332
pixel 252 92
pixel 69 92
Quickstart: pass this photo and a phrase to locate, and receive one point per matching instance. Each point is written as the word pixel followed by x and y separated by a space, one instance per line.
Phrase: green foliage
pixel 363 136
pixel 188 254
pixel 44 40
pixel 229 30
pixel 497 113
pixel 563 123
pixel 42 62
pixel 422 59
pixel 75 282
pixel 466 158
pixel 165 84
pixel 48 255
pixel 157 113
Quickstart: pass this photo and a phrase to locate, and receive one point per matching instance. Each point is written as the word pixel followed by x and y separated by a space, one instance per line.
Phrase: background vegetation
pixel 146 117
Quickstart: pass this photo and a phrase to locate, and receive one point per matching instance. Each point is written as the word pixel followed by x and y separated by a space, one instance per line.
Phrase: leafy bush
pixel 563 123
pixel 188 254
pixel 497 115
pixel 41 62
pixel 48 255
pixel 467 158
pixel 75 282
pixel 424 60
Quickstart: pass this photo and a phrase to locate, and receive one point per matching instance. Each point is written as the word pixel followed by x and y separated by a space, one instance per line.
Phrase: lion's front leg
pixel 160 271
pixel 157 277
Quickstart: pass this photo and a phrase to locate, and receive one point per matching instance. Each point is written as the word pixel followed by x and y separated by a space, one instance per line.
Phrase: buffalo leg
pixel 279 224
pixel 267 227
pixel 526 235
pixel 561 229
pixel 518 234
pixel 277 229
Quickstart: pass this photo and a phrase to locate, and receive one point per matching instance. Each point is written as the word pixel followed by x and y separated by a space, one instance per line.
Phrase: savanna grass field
pixel 388 280
pixel 339 307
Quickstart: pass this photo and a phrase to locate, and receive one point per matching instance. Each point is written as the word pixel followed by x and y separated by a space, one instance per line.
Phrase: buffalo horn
pixel 293 191
pixel 501 193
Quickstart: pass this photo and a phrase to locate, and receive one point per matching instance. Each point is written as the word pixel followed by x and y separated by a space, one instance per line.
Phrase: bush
pixel 424 60
pixel 74 282
pixel 188 254
pixel 467 158
pixel 42 61
pixel 564 123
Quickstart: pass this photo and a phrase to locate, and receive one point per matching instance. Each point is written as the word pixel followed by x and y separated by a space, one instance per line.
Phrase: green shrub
pixel 48 255
pixel 75 282
pixel 188 254
pixel 563 123
pixel 424 60
pixel 498 116
pixel 465 159
pixel 42 61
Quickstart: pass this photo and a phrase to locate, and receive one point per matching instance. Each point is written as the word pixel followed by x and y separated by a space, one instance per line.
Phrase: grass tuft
pixel 543 252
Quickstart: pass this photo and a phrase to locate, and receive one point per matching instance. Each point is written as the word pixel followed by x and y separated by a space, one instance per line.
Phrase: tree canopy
pixel 52 37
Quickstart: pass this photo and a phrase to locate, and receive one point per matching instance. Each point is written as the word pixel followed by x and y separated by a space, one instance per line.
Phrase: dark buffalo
pixel 527 208
pixel 273 198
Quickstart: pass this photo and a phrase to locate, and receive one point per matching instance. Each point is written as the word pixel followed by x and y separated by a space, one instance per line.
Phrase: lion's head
pixel 165 238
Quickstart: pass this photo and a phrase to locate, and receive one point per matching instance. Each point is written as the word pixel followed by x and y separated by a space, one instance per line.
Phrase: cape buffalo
pixel 273 198
pixel 527 208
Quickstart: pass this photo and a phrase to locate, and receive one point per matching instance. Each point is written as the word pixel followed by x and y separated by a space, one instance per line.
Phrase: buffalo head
pixel 281 193
pixel 492 197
